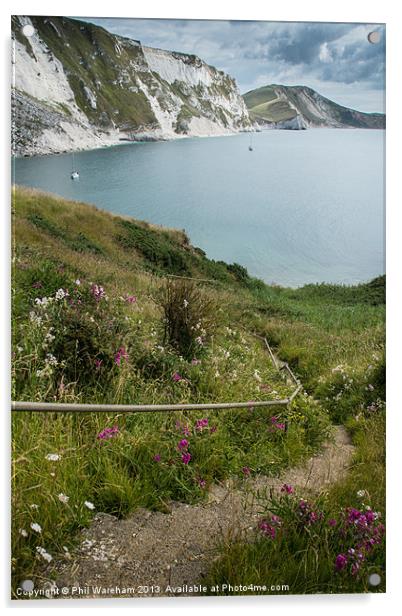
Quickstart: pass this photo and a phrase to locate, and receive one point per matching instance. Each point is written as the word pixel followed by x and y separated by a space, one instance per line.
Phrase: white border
pixel 385 11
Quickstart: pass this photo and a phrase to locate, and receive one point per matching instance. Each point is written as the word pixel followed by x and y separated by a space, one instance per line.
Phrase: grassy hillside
pixel 276 103
pixel 96 318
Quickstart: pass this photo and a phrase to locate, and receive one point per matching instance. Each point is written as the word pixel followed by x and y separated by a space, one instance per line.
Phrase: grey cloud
pixel 283 52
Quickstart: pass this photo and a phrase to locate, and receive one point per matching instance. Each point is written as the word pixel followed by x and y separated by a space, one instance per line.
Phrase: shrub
pixel 157 248
pixel 73 336
pixel 189 317
pixel 239 272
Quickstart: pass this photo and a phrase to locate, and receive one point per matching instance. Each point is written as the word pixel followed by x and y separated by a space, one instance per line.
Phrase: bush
pixel 157 248
pixel 189 317
pixel 73 336
pixel 239 272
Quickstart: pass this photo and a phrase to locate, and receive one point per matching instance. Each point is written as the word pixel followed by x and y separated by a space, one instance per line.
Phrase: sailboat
pixel 250 147
pixel 74 174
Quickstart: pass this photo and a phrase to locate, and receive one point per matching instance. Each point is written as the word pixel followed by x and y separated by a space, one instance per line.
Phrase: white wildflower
pixel 49 336
pixel 45 555
pixel 36 527
pixel 361 493
pixel 51 360
pixel 34 318
pixel 61 294
pixel 43 302
pixel 185 302
pixel 53 457
pixel 63 498
pixel 78 282
pixel 89 505
pixel 257 376
pixel 199 340
pixel 34 506
pixel 23 532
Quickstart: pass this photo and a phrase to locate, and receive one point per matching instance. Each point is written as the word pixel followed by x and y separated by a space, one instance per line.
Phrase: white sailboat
pixel 250 147
pixel 74 173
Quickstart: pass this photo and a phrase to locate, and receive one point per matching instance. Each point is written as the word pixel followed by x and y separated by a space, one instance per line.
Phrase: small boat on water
pixel 74 173
pixel 250 147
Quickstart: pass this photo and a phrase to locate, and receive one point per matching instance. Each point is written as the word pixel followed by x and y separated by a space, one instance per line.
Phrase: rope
pixel 63 407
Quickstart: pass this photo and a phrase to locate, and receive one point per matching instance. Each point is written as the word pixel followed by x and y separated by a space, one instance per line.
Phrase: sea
pixel 300 207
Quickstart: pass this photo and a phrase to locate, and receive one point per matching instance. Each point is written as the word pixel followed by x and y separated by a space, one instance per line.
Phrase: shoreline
pixel 167 139
pixel 161 227
pixel 106 146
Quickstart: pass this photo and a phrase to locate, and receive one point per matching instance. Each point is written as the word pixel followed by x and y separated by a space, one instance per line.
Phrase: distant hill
pixel 298 107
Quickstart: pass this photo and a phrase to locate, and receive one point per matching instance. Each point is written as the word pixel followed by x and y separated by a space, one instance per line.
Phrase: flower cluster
pixel 98 292
pixel 119 355
pixel 276 425
pixel 108 433
pixel 130 299
pixel 183 444
pixel 184 428
pixel 269 527
pixel 307 514
pixel 201 424
pixel 364 532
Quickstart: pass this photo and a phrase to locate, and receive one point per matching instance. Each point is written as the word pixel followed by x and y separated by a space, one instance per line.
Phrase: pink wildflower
pixel 131 299
pixel 183 444
pixel 177 377
pixel 121 354
pixel 246 471
pixel 98 292
pixel 98 363
pixel 340 562
pixel 108 433
pixel 267 529
pixel 201 423
pixel 156 458
pixel 186 457
pixel 287 488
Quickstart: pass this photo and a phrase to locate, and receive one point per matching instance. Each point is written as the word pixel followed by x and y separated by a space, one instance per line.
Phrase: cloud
pixel 332 56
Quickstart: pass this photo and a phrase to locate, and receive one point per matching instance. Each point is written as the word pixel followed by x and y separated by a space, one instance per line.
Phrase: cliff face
pixel 298 107
pixel 75 85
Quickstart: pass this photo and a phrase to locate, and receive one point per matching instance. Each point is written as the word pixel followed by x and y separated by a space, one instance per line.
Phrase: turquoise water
pixel 303 206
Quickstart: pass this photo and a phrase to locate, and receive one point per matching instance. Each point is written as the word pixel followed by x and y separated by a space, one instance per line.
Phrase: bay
pixel 302 207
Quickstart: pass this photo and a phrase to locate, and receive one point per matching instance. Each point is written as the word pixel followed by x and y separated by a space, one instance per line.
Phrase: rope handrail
pixel 64 407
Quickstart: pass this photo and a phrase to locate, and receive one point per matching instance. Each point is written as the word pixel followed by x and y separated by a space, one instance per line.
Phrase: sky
pixel 336 59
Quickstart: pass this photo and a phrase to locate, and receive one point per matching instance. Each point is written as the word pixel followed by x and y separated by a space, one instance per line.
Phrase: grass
pixel 304 557
pixel 101 336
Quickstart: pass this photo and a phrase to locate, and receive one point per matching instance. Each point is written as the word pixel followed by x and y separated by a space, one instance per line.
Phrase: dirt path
pixel 157 549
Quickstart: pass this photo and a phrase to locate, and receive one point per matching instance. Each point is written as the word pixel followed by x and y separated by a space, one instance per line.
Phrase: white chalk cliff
pixel 77 86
